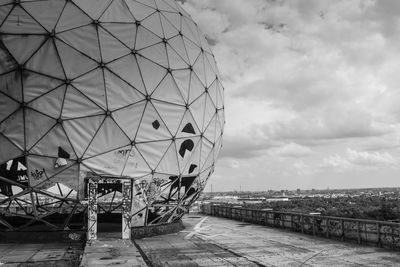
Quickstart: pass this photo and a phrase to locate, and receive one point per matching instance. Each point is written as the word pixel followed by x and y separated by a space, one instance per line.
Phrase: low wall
pixel 153 230
pixel 368 232
pixel 73 236
pixel 43 237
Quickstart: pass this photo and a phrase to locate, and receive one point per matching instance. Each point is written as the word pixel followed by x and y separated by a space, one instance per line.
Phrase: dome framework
pixel 122 89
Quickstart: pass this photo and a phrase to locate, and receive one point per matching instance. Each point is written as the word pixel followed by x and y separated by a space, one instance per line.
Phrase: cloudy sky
pixel 312 92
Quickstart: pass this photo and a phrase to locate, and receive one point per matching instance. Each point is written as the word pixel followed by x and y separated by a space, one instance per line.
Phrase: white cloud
pixel 291 150
pixel 359 159
pixel 344 122
pixel 370 158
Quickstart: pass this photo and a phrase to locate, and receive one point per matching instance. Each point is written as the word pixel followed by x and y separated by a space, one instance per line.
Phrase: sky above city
pixel 312 92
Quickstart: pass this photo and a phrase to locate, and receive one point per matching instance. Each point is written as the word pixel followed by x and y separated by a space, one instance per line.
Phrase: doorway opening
pixel 109 209
pixel 109 206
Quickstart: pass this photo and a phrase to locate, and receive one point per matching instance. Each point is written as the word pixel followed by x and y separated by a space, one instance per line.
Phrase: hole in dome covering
pixel 186 145
pixel 190 192
pixel 156 124
pixel 192 168
pixel 189 129
pixel 63 154
pixel 14 170
pixel 184 183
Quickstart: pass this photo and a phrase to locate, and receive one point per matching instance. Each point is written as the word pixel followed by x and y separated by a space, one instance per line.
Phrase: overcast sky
pixel 312 92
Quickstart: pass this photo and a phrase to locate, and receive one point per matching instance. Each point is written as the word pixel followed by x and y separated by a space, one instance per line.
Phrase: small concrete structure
pixel 126 185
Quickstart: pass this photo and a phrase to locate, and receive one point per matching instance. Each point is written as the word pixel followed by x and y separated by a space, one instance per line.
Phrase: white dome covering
pixel 108 88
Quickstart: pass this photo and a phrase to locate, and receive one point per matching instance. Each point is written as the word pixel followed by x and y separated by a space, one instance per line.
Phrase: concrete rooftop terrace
pixel 212 241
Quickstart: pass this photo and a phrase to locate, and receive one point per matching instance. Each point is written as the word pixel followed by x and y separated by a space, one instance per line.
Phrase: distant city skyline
pixel 312 92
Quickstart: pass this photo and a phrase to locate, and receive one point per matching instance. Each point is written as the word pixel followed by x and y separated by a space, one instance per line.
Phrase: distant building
pixel 276 199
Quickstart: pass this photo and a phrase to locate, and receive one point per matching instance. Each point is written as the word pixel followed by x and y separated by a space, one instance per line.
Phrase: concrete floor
pixel 49 254
pixel 212 241
pixel 110 251
pixel 206 241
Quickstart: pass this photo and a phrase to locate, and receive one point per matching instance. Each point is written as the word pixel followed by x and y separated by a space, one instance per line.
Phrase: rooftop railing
pixel 366 232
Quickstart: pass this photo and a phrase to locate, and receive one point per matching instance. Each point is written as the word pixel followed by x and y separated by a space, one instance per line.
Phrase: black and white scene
pixel 188 133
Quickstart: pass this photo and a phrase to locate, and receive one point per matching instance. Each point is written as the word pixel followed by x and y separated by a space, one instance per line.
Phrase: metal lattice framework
pixel 119 88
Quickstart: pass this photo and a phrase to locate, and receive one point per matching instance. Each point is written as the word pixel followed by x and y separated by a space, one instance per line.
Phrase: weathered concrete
pixel 49 254
pixel 153 230
pixel 211 241
pixel 206 241
pixel 110 250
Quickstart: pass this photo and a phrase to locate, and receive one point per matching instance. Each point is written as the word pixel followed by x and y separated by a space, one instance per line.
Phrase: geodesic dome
pixel 111 89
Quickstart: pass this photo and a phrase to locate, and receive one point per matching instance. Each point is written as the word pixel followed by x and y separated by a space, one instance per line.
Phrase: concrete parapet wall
pixel 43 237
pixel 153 230
pixel 368 232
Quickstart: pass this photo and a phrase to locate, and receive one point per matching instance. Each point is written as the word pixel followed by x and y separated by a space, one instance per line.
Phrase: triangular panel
pixel 156 53
pixel 111 163
pixel 117 11
pixel 93 10
pixel 42 169
pixel 68 177
pixel 13 128
pixel 81 132
pixel 111 48
pixel 19 51
pixel 79 37
pixel 152 73
pixel 92 85
pixel 120 93
pixel 139 10
pixel 128 118
pixel 46 61
pixel 175 60
pixel 74 62
pixel 196 88
pixel 7 106
pixel 8 149
pixel 131 75
pixel 186 149
pixel 78 105
pixel 135 166
pixel 197 110
pixel 125 33
pixel 20 22
pixel 108 137
pixel 182 78
pixel 209 111
pixel 145 38
pixel 50 103
pixel 10 85
pixel 153 153
pixel 169 29
pixel 72 11
pixel 193 51
pixel 170 114
pixel 36 126
pixel 38 85
pixel 47 19
pixel 152 127
pixel 188 126
pixel 168 91
pixel 153 24
pixel 169 162
pixel 55 144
